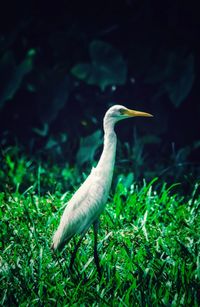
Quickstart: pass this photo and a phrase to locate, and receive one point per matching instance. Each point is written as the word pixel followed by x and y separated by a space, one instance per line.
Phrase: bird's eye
pixel 121 111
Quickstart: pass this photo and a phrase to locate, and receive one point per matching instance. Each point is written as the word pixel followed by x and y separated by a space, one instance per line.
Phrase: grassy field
pixel 148 245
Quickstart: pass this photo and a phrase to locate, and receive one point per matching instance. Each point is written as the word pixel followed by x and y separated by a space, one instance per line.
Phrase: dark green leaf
pixel 81 71
pixel 180 88
pixel 107 66
pixel 174 73
pixel 16 74
pixel 53 96
pixel 7 66
pixel 88 147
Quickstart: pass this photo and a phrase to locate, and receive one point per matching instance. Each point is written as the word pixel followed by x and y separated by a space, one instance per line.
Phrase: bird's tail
pixel 59 240
pixel 56 240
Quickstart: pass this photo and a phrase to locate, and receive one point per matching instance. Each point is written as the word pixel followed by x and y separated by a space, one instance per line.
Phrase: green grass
pixel 148 245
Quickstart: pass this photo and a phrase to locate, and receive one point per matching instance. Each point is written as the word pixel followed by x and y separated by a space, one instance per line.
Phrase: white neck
pixel 107 159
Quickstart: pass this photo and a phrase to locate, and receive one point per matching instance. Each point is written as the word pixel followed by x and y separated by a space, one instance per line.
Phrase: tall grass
pixel 148 245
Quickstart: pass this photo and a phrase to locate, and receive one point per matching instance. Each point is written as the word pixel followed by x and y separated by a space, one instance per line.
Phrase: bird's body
pixel 88 202
pixel 86 205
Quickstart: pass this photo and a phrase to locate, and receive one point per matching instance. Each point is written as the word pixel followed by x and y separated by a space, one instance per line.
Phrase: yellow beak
pixel 137 113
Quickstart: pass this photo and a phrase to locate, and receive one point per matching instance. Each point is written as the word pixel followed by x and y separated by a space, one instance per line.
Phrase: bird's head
pixel 118 112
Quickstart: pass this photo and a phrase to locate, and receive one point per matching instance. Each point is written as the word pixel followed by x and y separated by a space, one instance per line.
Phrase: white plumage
pixel 86 205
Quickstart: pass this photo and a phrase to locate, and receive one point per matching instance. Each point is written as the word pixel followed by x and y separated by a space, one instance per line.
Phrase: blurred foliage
pixel 59 75
pixel 174 74
pixel 107 66
pixel 11 75
pixel 18 170
pixel 18 173
pixel 88 147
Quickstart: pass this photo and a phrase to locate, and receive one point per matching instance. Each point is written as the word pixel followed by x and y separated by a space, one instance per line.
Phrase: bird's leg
pixel 96 257
pixel 58 260
pixel 73 256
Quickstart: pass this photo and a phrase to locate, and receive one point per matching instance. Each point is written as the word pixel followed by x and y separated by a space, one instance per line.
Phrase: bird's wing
pixel 82 210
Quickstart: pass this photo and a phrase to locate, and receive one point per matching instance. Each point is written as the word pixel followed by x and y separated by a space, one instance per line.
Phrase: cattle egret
pixel 86 205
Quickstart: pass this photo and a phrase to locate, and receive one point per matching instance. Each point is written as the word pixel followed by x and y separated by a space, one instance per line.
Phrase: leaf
pixel 82 71
pixel 88 147
pixel 180 88
pixel 174 73
pixel 162 69
pixel 53 96
pixel 107 66
pixel 126 180
pixel 150 139
pixel 42 131
pixel 7 66
pixel 16 74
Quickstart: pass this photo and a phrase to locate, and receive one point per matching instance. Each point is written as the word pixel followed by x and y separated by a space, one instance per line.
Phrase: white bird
pixel 86 205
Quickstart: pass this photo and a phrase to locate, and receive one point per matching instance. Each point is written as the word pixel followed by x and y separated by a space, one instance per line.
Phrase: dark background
pixel 50 102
